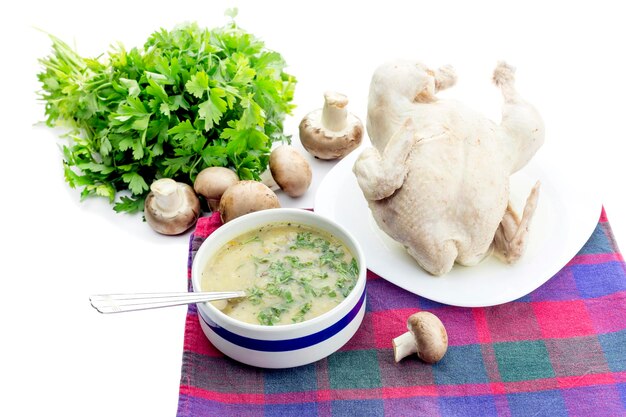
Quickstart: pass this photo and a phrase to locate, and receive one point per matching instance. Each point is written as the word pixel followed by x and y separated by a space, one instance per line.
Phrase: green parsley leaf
pixel 135 182
pixel 198 84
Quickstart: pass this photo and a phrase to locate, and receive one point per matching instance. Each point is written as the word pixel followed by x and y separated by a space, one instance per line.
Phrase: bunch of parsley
pixel 190 98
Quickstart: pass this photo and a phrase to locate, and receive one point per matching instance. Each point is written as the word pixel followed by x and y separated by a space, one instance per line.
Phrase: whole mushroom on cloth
pixel 246 197
pixel 437 176
pixel 331 132
pixel 427 337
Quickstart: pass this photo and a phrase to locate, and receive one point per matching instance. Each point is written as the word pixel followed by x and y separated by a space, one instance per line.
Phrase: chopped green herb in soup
pixel 290 273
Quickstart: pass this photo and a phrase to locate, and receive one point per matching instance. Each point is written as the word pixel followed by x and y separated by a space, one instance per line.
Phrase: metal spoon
pixel 119 303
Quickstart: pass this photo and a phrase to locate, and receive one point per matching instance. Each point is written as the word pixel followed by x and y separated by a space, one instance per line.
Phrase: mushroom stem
pixel 404 345
pixel 213 203
pixel 335 111
pixel 268 179
pixel 166 195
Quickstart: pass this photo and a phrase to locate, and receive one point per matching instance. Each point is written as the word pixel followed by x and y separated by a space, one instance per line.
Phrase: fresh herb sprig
pixel 188 99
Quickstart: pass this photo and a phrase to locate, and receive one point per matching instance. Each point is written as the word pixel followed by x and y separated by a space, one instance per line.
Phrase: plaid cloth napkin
pixel 559 351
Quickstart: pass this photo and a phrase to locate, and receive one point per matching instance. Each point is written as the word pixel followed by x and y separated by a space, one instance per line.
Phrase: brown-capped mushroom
pixel 211 183
pixel 331 132
pixel 290 170
pixel 246 197
pixel 171 207
pixel 427 336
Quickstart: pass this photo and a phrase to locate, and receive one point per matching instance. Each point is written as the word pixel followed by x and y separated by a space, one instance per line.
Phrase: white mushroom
pixel 211 183
pixel 171 207
pixel 427 336
pixel 246 197
pixel 331 132
pixel 290 170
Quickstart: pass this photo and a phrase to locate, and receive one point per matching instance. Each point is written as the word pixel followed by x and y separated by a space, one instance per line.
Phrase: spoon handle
pixel 119 303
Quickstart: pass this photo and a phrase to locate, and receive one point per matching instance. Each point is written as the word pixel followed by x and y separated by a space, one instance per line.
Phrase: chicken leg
pixel 522 126
pixel 510 240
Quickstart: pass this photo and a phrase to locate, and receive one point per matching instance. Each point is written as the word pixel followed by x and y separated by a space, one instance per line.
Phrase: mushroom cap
pixel 246 197
pixel 430 334
pixel 327 144
pixel 179 213
pixel 211 183
pixel 290 170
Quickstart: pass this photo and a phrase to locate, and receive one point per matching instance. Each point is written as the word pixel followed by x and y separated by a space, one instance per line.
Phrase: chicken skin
pixel 437 176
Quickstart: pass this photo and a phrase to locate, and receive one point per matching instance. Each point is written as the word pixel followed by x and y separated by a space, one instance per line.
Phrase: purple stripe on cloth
pixel 190 405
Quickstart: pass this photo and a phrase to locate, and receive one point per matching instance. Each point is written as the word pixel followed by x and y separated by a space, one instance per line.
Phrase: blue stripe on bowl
pixel 287 344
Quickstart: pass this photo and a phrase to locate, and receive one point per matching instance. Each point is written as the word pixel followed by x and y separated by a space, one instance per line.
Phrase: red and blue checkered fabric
pixel 559 351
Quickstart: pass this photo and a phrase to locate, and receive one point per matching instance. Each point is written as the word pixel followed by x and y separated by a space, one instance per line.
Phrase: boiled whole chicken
pixel 437 176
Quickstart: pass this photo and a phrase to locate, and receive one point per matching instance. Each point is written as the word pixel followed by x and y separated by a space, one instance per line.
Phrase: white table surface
pixel 59 356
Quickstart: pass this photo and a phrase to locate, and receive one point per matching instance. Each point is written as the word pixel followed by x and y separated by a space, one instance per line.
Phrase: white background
pixel 59 356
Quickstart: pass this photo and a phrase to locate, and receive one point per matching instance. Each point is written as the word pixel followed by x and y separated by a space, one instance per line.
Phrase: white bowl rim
pixel 354 294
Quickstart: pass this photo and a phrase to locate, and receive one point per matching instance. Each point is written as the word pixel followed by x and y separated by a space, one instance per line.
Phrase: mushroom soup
pixel 290 272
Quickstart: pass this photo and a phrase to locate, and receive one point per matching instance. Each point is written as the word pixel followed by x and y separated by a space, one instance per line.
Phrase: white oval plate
pixel 566 215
